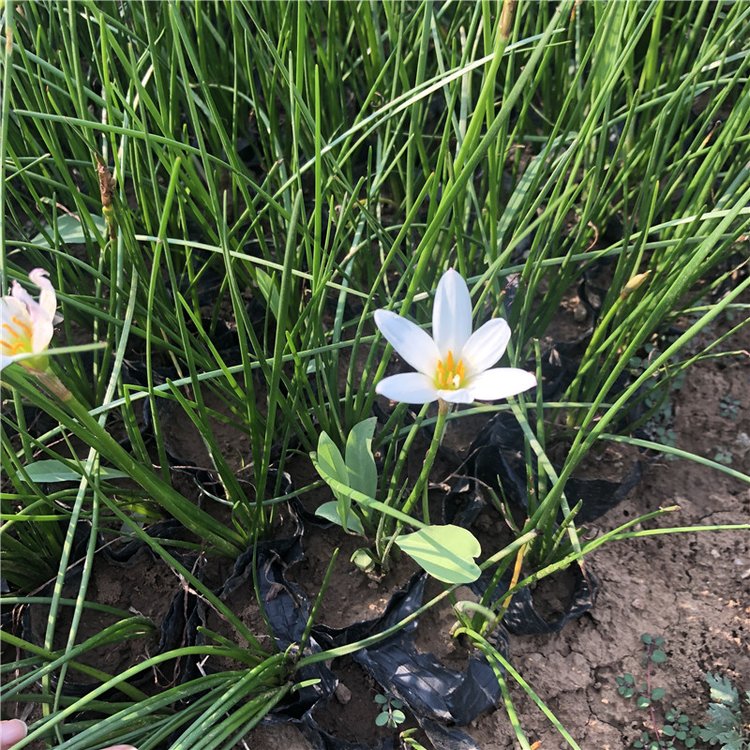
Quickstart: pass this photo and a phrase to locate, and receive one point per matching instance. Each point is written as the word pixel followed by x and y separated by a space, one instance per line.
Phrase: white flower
pixel 454 364
pixel 26 325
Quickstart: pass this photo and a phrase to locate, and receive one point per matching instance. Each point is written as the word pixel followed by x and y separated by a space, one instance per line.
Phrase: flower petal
pixel 47 297
pixel 11 307
pixel 411 343
pixel 6 360
pixel 42 335
pixel 409 387
pixel 459 396
pixel 451 315
pixel 486 345
pixel 17 292
pixel 500 382
pixel 33 314
pixel 16 327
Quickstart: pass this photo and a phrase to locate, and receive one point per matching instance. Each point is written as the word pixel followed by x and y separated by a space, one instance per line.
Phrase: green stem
pixel 590 359
pixel 394 490
pixel 429 459
pixel 424 474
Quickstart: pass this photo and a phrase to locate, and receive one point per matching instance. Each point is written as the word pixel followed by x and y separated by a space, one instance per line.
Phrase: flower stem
pixel 429 459
pixel 424 475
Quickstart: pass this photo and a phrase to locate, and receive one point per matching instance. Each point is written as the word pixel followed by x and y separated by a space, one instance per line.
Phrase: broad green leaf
pixel 363 474
pixel 658 656
pixel 71 231
pixel 445 552
pixel 330 511
pixel 51 470
pixel 329 463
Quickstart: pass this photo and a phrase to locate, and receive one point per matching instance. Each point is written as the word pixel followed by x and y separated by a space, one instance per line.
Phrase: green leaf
pixel 398 716
pixel 328 460
pixel 658 657
pixel 722 690
pixel 363 474
pixel 657 694
pixel 445 552
pixel 381 699
pixel 330 511
pixel 363 559
pixel 70 231
pixel 382 719
pixel 329 463
pixel 49 471
pixel 269 290
pixel 642 701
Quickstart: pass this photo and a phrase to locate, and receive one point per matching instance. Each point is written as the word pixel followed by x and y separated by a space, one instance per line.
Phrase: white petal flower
pixel 26 325
pixel 454 364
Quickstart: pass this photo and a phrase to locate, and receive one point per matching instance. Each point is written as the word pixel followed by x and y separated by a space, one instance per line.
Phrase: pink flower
pixel 26 325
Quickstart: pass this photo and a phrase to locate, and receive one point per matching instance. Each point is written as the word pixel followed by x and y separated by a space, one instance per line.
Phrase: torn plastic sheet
pixel 461 506
pixel 497 460
pixel 430 689
pixel 523 618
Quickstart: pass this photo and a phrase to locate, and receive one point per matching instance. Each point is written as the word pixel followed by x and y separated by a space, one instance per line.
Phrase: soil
pixel 691 588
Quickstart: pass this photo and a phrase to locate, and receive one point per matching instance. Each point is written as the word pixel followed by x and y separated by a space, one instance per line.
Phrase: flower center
pixel 16 338
pixel 450 375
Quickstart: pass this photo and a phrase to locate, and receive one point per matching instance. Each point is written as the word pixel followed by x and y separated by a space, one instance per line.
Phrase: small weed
pixel 658 404
pixel 723 457
pixel 724 726
pixel 729 407
pixel 390 714
pixel 678 732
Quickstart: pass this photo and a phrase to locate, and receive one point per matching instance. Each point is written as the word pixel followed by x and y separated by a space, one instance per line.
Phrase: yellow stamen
pixel 17 341
pixel 15 348
pixel 24 326
pixel 450 374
